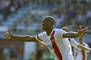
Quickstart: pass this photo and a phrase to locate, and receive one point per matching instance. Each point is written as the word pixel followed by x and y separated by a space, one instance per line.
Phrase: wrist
pixel 77 35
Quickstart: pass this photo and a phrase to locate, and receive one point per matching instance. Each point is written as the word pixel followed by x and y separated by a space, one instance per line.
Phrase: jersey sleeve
pixel 60 32
pixel 73 41
pixel 41 36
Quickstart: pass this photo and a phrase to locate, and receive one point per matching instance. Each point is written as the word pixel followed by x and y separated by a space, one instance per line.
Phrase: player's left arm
pixel 81 32
pixel 78 45
pixel 70 35
pixel 83 47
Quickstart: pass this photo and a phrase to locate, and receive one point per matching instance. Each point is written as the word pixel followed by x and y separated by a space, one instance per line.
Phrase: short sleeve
pixel 73 41
pixel 60 32
pixel 41 36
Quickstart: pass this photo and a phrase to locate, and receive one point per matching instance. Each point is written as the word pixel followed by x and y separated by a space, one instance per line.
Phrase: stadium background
pixel 23 17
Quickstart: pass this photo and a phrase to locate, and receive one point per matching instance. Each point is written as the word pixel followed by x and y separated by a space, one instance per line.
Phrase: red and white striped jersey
pixel 82 54
pixel 62 44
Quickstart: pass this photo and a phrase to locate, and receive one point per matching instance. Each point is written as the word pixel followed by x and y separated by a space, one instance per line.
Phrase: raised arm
pixel 81 44
pixel 78 45
pixel 84 48
pixel 81 32
pixel 70 35
pixel 8 35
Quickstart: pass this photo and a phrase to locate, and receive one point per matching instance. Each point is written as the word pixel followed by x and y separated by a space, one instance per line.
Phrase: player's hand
pixel 8 35
pixel 90 49
pixel 82 32
pixel 84 48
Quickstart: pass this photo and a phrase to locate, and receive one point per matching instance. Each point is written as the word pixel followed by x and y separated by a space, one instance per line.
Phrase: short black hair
pixel 49 19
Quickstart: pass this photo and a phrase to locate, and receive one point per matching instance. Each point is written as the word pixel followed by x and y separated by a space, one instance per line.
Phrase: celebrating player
pixel 81 54
pixel 55 39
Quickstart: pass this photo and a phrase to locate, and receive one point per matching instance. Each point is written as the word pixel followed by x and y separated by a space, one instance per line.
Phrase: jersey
pixel 73 42
pixel 82 54
pixel 62 43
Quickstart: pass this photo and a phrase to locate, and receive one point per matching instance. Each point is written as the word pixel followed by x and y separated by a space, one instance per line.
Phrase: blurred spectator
pixel 89 55
pixel 39 52
pixel 12 9
pixel 89 17
pixel 1 18
pixel 79 19
pixel 1 54
pixel 89 14
pixel 67 19
pixel 59 20
pixel 13 54
pixel 72 15
pixel 84 10
pixel 5 3
pixel 7 9
pixel 14 28
pixel 19 53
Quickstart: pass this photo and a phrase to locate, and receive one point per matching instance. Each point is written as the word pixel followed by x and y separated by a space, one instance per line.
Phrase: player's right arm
pixel 9 36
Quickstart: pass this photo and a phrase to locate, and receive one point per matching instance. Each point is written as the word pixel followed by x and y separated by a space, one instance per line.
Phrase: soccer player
pixel 81 54
pixel 55 39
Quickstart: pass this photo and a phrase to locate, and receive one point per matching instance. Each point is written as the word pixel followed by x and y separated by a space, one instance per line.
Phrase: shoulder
pixel 42 33
pixel 41 36
pixel 72 39
pixel 86 44
pixel 59 31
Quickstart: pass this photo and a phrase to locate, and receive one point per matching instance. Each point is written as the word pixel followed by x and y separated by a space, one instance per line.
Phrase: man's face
pixel 47 26
pixel 44 26
pixel 48 23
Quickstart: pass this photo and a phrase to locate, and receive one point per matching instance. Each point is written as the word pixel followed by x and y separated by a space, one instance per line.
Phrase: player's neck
pixel 49 32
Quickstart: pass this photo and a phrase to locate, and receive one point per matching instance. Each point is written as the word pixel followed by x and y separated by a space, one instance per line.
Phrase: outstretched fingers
pixel 80 28
pixel 84 30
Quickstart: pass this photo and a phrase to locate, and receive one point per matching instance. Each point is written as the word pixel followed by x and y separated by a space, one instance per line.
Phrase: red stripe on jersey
pixel 69 39
pixel 55 47
pixel 83 54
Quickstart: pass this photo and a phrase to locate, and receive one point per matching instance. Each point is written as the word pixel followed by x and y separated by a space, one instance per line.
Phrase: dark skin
pixel 48 27
pixel 80 45
pixel 80 41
